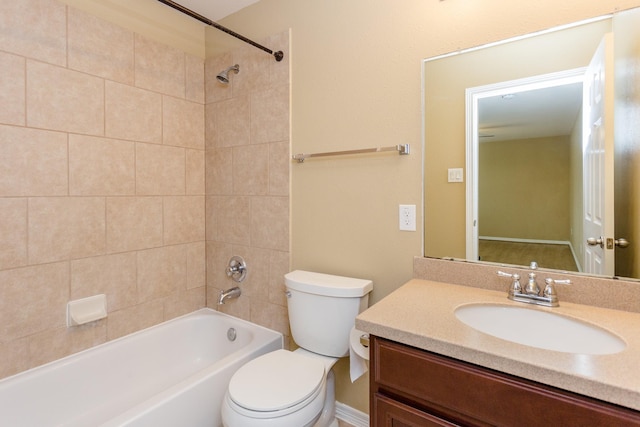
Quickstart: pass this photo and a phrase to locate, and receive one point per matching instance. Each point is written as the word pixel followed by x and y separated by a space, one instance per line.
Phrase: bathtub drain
pixel 231 334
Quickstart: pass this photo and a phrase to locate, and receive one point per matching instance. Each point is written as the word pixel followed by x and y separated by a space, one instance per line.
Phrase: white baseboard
pixel 352 416
pixel 518 240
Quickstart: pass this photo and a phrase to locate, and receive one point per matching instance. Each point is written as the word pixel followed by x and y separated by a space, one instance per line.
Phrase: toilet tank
pixel 323 309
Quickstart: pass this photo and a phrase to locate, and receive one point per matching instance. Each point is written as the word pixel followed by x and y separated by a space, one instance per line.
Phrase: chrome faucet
pixel 532 287
pixel 237 270
pixel 228 294
pixel 531 294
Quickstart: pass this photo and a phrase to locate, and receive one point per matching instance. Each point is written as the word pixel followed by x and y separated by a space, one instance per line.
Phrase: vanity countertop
pixel 421 314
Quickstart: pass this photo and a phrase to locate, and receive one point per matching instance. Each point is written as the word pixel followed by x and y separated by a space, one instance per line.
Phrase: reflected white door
pixel 598 138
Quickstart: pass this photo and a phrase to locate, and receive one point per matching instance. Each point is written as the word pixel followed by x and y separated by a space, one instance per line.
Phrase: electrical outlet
pixel 407 214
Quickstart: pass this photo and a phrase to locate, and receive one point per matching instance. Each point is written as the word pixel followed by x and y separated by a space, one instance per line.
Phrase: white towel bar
pixel 401 149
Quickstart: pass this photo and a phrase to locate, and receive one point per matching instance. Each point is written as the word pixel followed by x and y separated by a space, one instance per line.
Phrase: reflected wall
pixel 445 83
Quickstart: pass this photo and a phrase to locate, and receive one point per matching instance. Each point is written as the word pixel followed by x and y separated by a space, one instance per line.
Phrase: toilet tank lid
pixel 327 284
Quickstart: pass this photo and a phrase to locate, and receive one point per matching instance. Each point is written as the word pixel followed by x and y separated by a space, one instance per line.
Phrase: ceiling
pixel 536 113
pixel 215 9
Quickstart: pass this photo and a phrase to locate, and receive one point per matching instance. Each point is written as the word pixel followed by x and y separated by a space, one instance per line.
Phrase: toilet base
pixel 328 416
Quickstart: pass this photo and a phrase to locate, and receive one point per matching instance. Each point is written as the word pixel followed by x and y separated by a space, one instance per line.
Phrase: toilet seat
pixel 276 383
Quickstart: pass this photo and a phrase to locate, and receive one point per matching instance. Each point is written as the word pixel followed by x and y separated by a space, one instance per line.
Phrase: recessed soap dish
pixel 86 310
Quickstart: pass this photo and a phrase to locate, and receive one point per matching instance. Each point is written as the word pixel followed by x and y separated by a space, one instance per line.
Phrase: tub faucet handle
pixel 237 268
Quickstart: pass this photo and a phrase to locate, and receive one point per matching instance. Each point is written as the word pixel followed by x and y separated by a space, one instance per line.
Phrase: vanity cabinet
pixel 415 388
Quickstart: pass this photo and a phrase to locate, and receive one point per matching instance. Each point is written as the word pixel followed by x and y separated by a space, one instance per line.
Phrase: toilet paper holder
pixel 364 340
pixel 358 353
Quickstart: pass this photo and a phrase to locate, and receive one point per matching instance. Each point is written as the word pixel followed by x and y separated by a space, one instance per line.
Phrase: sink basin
pixel 541 329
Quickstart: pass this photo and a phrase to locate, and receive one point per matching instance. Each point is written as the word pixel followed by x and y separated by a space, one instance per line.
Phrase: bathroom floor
pixel 517 253
pixel 343 424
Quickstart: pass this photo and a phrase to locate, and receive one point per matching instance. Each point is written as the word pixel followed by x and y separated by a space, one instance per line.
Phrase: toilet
pixel 297 388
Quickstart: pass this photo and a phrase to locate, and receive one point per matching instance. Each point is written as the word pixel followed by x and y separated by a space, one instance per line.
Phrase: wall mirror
pixel 510 116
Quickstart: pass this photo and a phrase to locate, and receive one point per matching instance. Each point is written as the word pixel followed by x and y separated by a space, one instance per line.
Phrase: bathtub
pixel 172 374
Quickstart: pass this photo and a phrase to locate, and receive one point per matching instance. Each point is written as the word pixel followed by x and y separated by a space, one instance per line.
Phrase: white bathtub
pixel 173 374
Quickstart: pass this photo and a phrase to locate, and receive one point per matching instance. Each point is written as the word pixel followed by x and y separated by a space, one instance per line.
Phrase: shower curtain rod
pixel 277 55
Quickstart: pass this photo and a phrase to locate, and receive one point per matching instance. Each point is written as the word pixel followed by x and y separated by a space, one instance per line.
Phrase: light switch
pixel 456 175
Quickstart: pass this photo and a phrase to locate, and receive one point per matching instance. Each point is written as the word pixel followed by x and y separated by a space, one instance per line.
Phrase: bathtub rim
pixel 198 312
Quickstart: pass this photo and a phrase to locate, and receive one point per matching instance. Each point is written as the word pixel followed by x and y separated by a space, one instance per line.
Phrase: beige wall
pixel 247 164
pixel 101 180
pixel 523 189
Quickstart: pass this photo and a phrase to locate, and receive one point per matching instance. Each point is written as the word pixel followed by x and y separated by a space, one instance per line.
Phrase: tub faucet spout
pixel 228 294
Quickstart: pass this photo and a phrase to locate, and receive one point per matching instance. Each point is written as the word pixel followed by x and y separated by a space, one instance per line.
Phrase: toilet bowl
pixel 297 388
pixel 282 388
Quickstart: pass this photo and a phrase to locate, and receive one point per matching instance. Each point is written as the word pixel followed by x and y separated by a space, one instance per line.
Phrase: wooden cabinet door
pixel 406 382
pixel 391 413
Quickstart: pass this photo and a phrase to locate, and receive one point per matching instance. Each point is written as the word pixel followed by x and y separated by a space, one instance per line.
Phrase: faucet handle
pixel 515 286
pixel 550 288
pixel 558 282
pixel 237 268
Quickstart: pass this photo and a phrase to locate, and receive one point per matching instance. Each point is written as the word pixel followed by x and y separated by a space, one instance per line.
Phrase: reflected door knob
pixel 592 241
pixel 622 243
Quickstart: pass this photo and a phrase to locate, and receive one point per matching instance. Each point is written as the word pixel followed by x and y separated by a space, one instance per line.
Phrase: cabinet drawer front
pixel 471 391
pixel 390 413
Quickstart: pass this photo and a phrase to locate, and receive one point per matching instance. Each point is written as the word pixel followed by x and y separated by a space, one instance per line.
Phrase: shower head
pixel 223 77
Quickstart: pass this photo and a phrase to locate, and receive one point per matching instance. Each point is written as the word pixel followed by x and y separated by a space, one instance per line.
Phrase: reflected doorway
pixel 524 155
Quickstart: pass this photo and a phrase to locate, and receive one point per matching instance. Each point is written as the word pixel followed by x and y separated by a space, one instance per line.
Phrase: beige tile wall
pixel 102 179
pixel 247 181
